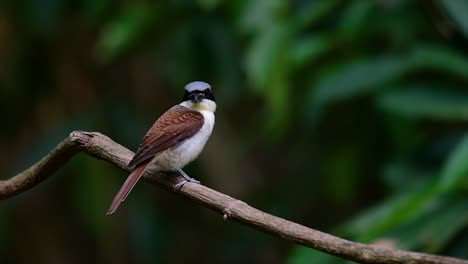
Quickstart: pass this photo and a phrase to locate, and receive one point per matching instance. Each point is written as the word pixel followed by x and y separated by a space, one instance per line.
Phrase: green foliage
pixel 121 32
pixel 349 116
pixel 455 171
pixel 440 59
pixel 433 231
pixel 424 101
pixel 457 10
pixel 392 213
pixel 358 78
pixel 302 255
pixel 308 49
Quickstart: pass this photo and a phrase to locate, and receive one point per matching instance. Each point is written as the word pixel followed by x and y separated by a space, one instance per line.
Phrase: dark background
pixel 346 116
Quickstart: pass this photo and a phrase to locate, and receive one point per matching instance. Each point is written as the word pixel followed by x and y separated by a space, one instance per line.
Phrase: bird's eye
pixel 206 92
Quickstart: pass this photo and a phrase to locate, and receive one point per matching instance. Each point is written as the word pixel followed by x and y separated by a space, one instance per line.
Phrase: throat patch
pixel 200 107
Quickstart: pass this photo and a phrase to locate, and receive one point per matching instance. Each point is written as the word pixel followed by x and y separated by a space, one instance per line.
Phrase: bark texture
pixel 102 147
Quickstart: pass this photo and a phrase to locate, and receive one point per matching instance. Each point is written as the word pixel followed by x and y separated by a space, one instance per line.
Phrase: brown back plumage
pixel 172 128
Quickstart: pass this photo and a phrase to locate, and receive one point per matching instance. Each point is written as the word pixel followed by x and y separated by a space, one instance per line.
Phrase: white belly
pixel 179 156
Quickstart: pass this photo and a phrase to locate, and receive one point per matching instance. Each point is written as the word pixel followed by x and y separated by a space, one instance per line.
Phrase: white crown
pixel 197 86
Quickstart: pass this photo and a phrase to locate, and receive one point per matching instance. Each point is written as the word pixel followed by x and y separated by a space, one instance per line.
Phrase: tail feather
pixel 132 179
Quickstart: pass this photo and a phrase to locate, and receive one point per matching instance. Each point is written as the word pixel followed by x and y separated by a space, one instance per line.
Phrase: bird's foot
pixel 192 180
pixel 187 178
pixel 178 186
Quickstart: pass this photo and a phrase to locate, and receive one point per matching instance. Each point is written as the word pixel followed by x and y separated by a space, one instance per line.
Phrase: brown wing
pixel 173 127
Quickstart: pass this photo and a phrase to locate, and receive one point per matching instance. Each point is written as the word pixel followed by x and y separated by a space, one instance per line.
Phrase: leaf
pixel 313 11
pixel 267 55
pixel 434 230
pixel 120 33
pixel 278 98
pixel 395 175
pixel 369 75
pixel 455 171
pixel 302 255
pixel 357 78
pixel 355 16
pixel 308 49
pixel 393 212
pixel 458 11
pixel 419 101
pixel 259 15
pixel 440 58
pixel 268 67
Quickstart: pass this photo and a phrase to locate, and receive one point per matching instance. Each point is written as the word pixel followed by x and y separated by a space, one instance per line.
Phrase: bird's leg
pixel 186 179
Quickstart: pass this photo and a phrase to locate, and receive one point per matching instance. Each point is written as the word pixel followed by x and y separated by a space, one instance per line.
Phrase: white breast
pixel 188 150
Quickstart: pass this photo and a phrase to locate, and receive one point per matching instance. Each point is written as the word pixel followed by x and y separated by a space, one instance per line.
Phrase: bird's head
pixel 198 96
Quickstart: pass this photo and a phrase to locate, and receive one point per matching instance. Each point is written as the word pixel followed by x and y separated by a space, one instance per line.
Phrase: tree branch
pixel 102 147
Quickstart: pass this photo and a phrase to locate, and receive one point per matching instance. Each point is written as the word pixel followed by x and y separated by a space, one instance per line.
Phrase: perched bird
pixel 175 139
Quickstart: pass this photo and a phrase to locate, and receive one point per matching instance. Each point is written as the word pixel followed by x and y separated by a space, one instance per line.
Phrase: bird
pixel 176 138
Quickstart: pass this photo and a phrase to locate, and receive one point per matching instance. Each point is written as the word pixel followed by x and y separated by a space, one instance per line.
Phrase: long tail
pixel 128 185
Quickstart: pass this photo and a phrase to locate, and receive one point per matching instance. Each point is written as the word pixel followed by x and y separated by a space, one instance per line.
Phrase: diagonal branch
pixel 102 147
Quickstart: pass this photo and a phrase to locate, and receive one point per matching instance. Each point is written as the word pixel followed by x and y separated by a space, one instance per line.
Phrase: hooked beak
pixel 197 98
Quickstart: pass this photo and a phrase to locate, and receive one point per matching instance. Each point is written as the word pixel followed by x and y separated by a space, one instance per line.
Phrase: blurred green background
pixel 345 116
